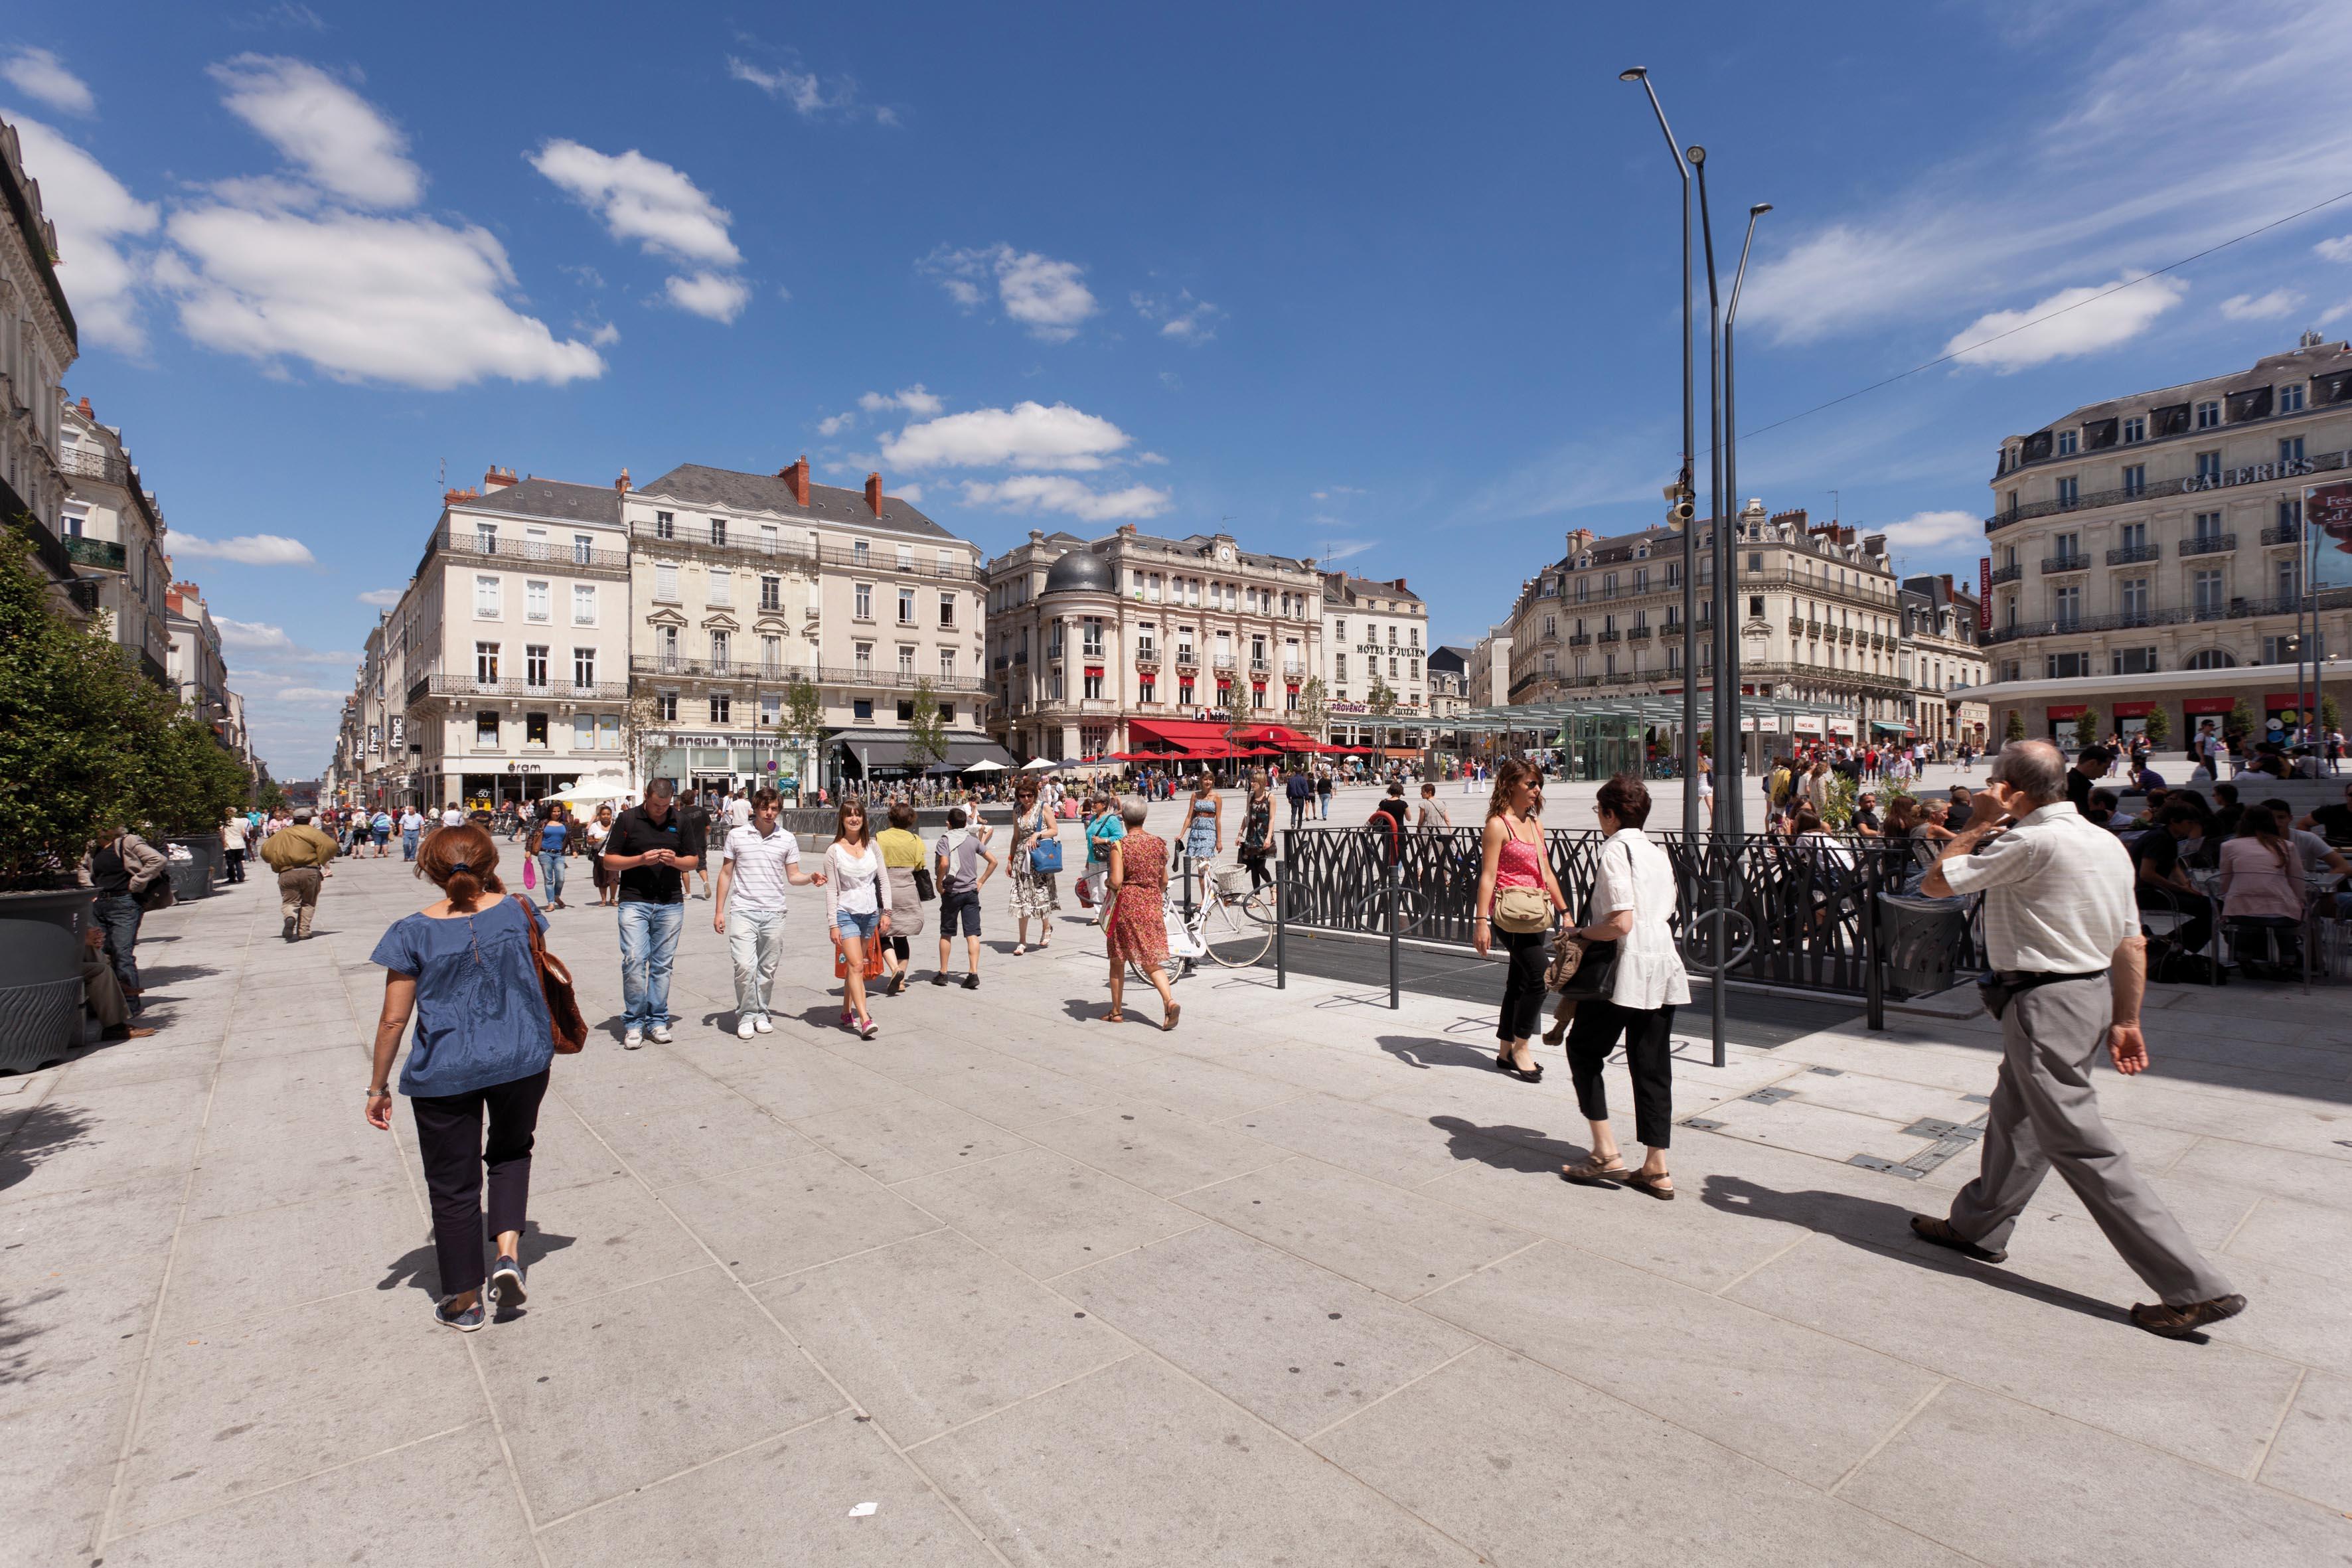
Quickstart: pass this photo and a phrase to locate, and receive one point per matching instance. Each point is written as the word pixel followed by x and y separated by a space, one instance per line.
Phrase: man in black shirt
pixel 2334 821
pixel 654 849
pixel 1961 807
pixel 2088 767
pixel 2159 882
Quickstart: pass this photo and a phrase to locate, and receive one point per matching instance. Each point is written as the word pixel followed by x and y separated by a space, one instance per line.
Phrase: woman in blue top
pixel 551 836
pixel 483 1043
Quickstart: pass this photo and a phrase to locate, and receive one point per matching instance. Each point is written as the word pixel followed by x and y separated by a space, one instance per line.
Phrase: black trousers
pixel 450 1138
pixel 234 864
pixel 1523 983
pixel 1649 1053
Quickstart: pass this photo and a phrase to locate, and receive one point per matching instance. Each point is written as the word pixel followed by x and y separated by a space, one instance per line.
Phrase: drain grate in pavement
pixel 1977 1098
pixel 1701 1124
pixel 1770 1095
pixel 1886 1167
pixel 1828 1072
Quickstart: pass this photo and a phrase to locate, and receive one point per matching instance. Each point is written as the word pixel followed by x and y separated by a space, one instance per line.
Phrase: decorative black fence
pixel 1804 899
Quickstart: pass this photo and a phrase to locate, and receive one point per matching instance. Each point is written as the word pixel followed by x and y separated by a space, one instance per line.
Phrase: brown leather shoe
pixel 2179 1322
pixel 1928 1227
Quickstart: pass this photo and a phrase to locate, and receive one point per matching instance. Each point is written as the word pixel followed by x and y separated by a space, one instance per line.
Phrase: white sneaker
pixel 633 1039
pixel 761 1024
pixel 658 1033
pixel 745 1030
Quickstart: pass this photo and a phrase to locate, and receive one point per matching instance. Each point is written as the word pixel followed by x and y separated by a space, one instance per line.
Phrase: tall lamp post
pixel 1730 804
pixel 1684 489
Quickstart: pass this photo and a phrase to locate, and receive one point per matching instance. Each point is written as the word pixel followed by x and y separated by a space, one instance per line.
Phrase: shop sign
pixel 1984 593
pixel 680 738
pixel 1809 724
pixel 2217 705
pixel 2067 710
pixel 2251 474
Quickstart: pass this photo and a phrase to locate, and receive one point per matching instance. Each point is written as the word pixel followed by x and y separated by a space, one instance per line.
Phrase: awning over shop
pixel 876 749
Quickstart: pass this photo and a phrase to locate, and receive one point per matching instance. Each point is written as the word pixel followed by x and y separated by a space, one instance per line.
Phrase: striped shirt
pixel 2058 892
pixel 758 883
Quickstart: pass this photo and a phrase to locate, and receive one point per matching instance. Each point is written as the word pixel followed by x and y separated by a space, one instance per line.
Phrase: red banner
pixel 1984 593
pixel 2134 709
pixel 2329 509
pixel 2208 704
pixel 2069 710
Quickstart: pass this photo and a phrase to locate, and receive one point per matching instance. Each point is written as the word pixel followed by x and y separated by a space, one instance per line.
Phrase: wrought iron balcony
pixel 103 553
pixel 2050 564
pixel 2009 574
pixel 2285 533
pixel 476 545
pixel 1638 634
pixel 2125 554
pixel 2209 544
pixel 464 685
pixel 2241 474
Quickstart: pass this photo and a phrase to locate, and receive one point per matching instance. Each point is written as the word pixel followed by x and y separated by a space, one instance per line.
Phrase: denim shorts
pixel 850 922
pixel 965 905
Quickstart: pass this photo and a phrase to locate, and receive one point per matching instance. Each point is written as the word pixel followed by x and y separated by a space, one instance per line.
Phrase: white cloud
pixel 408 301
pixel 807 94
pixel 1184 318
pixel 1931 532
pixel 1058 493
pixel 94 214
pixel 1327 492
pixel 1026 436
pixel 336 137
pixel 382 598
pixel 716 295
pixel 1341 549
pixel 642 199
pixel 1044 295
pixel 250 636
pixel 605 336
pixel 2093 318
pixel 2261 306
pixel 1958 241
pixel 834 424
pixel 308 695
pixel 913 494
pixel 246 550
pixel 915 400
pixel 2336 249
pixel 41 76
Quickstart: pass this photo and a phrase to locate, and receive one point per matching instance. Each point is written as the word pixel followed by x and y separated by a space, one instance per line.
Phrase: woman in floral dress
pixel 1033 892
pixel 1138 928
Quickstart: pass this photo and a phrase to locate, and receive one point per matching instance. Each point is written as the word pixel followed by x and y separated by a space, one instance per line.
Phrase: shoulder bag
pixel 1045 852
pixel 925 888
pixel 1521 911
pixel 564 1023
pixel 1595 972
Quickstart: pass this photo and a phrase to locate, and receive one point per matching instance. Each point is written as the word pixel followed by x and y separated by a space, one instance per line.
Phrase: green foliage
pixel 77 726
pixel 2159 726
pixel 927 735
pixel 2016 728
pixel 190 782
pixel 1236 712
pixel 1838 813
pixel 2330 716
pixel 803 713
pixel 271 798
pixel 2086 727
pixel 1314 710
pixel 2240 720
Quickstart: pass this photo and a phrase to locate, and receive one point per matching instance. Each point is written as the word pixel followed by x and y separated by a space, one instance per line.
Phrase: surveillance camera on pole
pixel 1679 494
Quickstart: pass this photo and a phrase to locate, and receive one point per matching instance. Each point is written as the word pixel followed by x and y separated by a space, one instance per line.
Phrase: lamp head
pixel 1634 73
pixel 1759 209
pixel 1698 155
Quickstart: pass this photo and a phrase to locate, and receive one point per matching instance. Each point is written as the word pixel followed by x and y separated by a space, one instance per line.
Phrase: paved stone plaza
pixel 1295 1284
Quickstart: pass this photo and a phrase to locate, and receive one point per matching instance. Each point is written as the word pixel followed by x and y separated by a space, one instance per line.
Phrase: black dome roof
pixel 1081 569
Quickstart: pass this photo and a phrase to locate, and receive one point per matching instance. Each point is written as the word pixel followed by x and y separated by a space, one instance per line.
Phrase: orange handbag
pixel 873 959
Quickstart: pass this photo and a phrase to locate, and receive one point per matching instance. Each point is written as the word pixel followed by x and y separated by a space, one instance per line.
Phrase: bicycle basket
pixel 1234 882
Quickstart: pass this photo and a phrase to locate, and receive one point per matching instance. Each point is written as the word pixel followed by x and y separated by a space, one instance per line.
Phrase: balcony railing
pixel 2125 554
pixel 103 553
pixel 2066 563
pixel 544 691
pixel 2287 534
pixel 1609 636
pixel 2242 474
pixel 87 461
pixel 1638 634
pixel 1579 640
pixel 507 547
pixel 739 541
pixel 2209 544
pixel 2009 574
pixel 2235 610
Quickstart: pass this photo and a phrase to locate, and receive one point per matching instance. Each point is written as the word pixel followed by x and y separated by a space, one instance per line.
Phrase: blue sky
pixel 1341 282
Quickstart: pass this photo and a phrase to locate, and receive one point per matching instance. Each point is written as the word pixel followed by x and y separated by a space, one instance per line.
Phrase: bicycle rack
pixel 1716 919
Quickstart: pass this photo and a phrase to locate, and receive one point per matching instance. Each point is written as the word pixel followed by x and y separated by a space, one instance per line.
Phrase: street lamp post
pixel 1730 805
pixel 1683 509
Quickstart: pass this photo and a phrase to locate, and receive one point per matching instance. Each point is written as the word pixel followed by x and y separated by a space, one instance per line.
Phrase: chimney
pixel 1873 544
pixel 1948 585
pixel 452 497
pixel 1401 587
pixel 1794 516
pixel 622 484
pixel 874 493
pixel 494 478
pixel 84 406
pixel 797 477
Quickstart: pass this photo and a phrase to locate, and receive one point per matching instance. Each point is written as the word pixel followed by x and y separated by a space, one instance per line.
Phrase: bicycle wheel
pixel 1236 938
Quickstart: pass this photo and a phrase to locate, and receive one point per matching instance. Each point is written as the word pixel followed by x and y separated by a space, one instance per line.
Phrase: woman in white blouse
pixel 1632 902
pixel 857 903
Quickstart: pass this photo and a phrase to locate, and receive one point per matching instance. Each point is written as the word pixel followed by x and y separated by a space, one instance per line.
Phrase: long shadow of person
pixel 417 1270
pixel 1886 1229
pixel 1507 1148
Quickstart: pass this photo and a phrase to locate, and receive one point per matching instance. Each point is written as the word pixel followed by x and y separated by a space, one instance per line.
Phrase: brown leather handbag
pixel 569 1028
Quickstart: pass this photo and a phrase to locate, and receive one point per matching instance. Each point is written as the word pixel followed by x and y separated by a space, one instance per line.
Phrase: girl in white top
pixel 1632 902
pixel 857 904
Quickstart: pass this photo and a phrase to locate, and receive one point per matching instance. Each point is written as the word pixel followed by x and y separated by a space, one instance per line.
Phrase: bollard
pixel 1722 942
pixel 1394 1002
pixel 1281 915
pixel 1874 981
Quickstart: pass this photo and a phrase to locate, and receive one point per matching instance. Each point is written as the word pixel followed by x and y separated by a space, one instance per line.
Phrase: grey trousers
pixel 2044 1114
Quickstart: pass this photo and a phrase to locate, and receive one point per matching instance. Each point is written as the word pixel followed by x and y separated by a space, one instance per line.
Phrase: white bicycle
pixel 1233 925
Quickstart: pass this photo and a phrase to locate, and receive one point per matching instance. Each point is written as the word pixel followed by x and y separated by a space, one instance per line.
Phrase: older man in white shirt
pixel 2069 968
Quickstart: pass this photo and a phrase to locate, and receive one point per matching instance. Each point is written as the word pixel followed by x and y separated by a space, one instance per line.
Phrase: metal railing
pixel 2125 554
pixel 1806 900
pixel 2209 543
pixel 85 460
pixel 565 691
pixel 2246 473
pixel 736 541
pixel 2235 610
pixel 2287 534
pixel 506 547
pixel 2009 574
pixel 103 553
pixel 2064 563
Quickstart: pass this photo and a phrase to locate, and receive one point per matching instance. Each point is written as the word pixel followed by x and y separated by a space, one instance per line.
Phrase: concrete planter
pixel 191 877
pixel 40 974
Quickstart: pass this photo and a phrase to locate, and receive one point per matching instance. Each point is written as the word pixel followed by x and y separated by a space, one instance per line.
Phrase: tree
pixel 2087 728
pixel 78 727
pixel 271 798
pixel 2241 720
pixel 2159 726
pixel 1314 709
pixel 192 781
pixel 2016 728
pixel 927 734
pixel 2330 716
pixel 1381 701
pixel 638 721
pixel 804 722
pixel 1235 712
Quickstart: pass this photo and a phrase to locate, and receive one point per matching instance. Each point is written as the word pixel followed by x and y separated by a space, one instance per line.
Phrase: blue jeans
pixel 408 845
pixel 648 943
pixel 551 873
pixel 1323 805
pixel 119 914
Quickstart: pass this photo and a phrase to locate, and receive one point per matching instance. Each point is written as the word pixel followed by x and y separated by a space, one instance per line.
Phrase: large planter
pixel 206 846
pixel 40 974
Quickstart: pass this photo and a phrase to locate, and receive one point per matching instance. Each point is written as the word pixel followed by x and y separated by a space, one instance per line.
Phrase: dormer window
pixel 2289 398
pixel 2208 414
pixel 2134 430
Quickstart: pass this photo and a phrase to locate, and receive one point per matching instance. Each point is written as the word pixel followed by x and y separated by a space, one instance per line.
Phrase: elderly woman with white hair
pixel 1138 926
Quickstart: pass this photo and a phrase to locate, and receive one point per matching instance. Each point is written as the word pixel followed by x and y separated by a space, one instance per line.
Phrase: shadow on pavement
pixel 1886 1229
pixel 415 1269
pixel 45 1129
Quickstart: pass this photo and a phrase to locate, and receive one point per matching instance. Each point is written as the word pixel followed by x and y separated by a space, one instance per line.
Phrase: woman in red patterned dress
pixel 1138 927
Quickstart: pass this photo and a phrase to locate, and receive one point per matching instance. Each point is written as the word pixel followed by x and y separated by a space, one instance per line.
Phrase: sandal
pixel 1020 948
pixel 1114 1016
pixel 1168 1023
pixel 1660 1187
pixel 1593 1174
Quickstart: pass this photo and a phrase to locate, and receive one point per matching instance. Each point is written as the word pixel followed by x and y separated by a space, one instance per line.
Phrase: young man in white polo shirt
pixel 757 862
